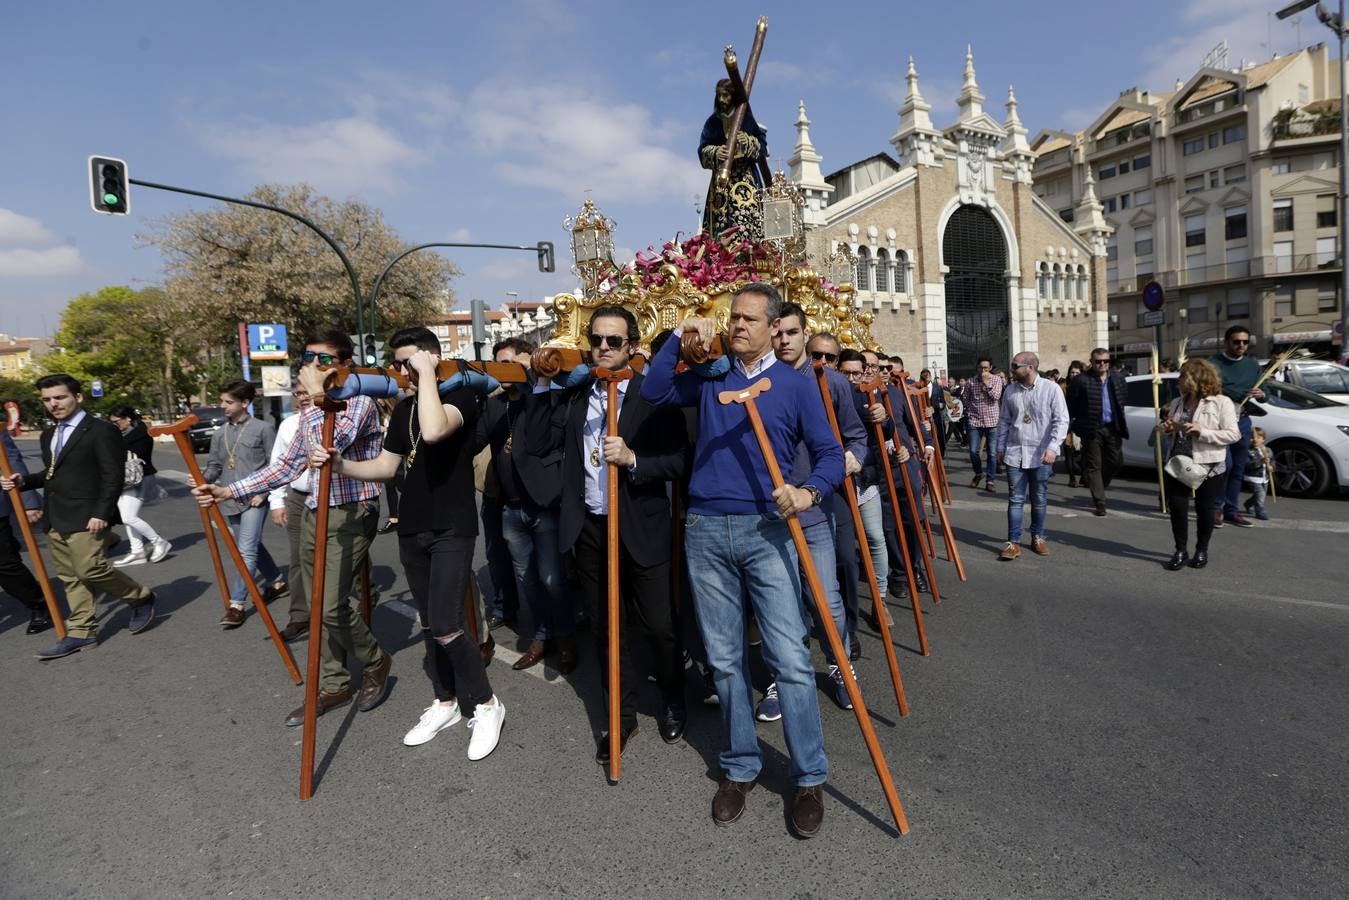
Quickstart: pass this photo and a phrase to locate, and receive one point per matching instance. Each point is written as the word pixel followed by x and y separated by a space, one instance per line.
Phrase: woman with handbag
pixel 1200 423
pixel 1072 445
pixel 146 544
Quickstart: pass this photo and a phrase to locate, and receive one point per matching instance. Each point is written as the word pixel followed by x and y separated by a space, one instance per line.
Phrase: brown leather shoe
pixel 728 804
pixel 533 656
pixel 808 811
pixel 566 655
pixel 974 482
pixel 233 617
pixel 488 649
pixel 374 684
pixel 1011 551
pixel 294 631
pixel 1039 545
pixel 274 590
pixel 326 702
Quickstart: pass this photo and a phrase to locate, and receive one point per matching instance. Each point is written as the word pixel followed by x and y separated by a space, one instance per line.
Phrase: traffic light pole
pixel 374 290
pixel 346 263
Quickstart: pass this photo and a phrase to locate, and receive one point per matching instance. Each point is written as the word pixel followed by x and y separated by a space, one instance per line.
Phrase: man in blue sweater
pixel 737 542
pixel 1240 372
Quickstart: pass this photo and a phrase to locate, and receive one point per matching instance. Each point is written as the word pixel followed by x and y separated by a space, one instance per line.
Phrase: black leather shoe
pixel 855 651
pixel 39 620
pixel 602 743
pixel 922 582
pixel 728 804
pixel 1199 560
pixel 673 718
pixel 808 811
pixel 566 655
pixel 495 622
pixel 1177 561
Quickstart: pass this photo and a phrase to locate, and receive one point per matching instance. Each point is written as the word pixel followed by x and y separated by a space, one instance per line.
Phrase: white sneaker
pixel 435 719
pixel 134 558
pixel 160 550
pixel 486 727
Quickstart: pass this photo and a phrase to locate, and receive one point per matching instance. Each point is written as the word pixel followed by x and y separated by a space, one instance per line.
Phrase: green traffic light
pixel 111 199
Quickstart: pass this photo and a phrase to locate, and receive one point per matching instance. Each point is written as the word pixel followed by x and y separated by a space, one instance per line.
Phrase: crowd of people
pixel 538 452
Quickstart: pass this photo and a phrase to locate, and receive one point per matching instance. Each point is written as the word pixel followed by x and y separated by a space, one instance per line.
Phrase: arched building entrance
pixel 977 315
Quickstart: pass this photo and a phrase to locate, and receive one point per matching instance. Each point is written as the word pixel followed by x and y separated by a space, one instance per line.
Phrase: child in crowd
pixel 1258 466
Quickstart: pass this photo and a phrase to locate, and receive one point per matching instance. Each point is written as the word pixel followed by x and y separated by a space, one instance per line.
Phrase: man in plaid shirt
pixel 353 518
pixel 982 396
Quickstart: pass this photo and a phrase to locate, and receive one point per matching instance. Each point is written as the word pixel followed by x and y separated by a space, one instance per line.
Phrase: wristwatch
pixel 816 498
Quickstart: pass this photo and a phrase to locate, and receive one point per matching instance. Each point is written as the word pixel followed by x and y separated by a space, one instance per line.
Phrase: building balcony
pixel 1259 267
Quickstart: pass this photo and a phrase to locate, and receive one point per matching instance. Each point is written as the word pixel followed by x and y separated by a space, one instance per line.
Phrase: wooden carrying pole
pixel 925 531
pixel 943 518
pixel 909 570
pixel 746 397
pixel 611 380
pixel 30 540
pixel 179 431
pixel 864 550
pixel 938 457
pixel 316 590
pixel 928 551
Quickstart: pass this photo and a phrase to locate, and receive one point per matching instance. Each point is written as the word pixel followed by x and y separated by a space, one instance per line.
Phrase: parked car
pixel 1307 433
pixel 1328 379
pixel 209 420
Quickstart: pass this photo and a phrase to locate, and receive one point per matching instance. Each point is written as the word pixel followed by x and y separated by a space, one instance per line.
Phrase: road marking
pixel 1297 601
pixel 1318 525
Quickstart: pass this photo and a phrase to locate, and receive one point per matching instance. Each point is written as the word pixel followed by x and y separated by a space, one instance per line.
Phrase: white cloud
pixel 460 236
pixel 52 261
pixel 16 228
pixel 562 138
pixel 340 156
pixel 1248 27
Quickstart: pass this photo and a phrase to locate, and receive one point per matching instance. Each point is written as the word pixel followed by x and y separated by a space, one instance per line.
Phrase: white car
pixel 1328 379
pixel 1307 433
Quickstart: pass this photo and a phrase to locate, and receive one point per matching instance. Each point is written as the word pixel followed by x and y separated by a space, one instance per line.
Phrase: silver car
pixel 1307 433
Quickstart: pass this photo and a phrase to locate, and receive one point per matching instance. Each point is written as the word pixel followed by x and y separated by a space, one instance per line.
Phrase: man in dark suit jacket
pixel 649 452
pixel 1096 415
pixel 15 578
pixel 85 462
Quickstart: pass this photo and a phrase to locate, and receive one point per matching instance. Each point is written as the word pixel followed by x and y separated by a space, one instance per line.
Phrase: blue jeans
pixel 1019 483
pixel 823 550
pixel 247 527
pixel 1237 454
pixel 532 538
pixel 753 554
pixel 984 438
pixel 873 523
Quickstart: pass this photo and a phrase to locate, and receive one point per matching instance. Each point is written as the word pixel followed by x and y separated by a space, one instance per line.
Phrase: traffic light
pixel 479 321
pixel 546 263
pixel 371 348
pixel 109 186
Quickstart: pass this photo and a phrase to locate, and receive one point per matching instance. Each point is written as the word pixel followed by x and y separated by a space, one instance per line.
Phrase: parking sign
pixel 267 342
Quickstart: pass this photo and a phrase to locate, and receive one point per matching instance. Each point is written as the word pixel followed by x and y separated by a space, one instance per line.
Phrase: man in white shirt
pixel 1032 423
pixel 287 511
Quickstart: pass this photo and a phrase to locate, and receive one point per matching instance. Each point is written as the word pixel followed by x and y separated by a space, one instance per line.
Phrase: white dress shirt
pixel 1031 421
pixel 592 441
pixel 285 433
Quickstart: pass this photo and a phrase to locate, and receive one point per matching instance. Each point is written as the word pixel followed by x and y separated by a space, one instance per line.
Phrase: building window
pixel 1326 251
pixel 1143 271
pixel 1066 214
pixel 1124 201
pixel 863 269
pixel 1283 256
pixel 1083 286
pixel 1194 184
pixel 1197 308
pixel 1213 140
pixel 1283 214
pixel 1111 249
pixel 1303 94
pixel 1195 235
pixel 1327 300
pixel 1058 282
pixel 1042 281
pixel 1234 218
pixel 1322 161
pixel 1196 259
pixel 1280 166
pixel 1123 166
pixel 1109 204
pixel 1234 174
pixel 1213 178
pixel 1239 302
pixel 1283 302
pixel 1107 172
pixel 1143 197
pixel 1143 241
pixel 1142 162
pixel 882 271
pixel 901 272
pixel 1234 133
pixel 1325 211
pixel 1193 146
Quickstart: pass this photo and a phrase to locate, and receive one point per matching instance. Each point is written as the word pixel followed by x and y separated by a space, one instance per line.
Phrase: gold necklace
pixel 415 441
pixel 230 448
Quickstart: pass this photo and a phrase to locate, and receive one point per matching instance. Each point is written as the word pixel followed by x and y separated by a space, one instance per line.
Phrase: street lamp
pixel 1335 22
pixel 592 245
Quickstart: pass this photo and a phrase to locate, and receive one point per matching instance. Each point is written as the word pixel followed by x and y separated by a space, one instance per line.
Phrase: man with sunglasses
pixel 352 519
pixel 829 535
pixel 1032 423
pixel 1240 372
pixel 1096 416
pixel 650 451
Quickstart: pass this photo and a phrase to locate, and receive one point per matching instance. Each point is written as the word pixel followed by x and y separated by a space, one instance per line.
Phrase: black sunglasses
pixel 827 357
pixel 325 359
pixel 1098 361
pixel 1239 341
pixel 613 341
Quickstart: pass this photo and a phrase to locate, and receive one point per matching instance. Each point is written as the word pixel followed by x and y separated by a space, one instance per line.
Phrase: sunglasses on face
pixel 400 364
pixel 1100 362
pixel 1020 365
pixel 612 341
pixel 818 355
pixel 1241 342
pixel 325 359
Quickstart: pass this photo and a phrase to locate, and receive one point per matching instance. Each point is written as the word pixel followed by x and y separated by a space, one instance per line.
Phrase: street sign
pixel 1154 298
pixel 1154 317
pixel 275 381
pixel 96 388
pixel 267 342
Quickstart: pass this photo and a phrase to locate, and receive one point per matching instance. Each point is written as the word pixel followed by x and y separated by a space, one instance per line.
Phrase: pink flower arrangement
pixel 702 260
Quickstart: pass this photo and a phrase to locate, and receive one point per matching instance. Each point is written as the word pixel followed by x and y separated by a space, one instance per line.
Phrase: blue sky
pixel 488 122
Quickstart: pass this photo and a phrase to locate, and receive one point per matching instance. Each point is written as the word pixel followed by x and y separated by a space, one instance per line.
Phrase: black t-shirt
pixel 438 492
